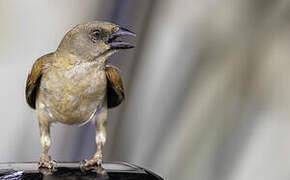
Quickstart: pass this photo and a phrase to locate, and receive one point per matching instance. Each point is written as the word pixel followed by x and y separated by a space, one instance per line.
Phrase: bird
pixel 76 83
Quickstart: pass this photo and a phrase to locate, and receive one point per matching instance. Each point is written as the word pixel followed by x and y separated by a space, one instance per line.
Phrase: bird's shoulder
pixel 34 77
pixel 115 89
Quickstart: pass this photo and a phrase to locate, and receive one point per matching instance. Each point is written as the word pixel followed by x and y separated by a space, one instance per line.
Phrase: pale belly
pixel 72 96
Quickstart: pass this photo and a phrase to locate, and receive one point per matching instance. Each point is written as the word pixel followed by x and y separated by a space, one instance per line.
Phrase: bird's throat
pixel 105 55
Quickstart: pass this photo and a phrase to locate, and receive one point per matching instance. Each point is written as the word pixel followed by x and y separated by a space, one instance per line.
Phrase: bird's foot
pixel 94 163
pixel 46 162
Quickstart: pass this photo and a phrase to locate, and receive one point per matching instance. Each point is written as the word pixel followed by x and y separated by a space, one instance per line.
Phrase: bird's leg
pixel 101 134
pixel 45 159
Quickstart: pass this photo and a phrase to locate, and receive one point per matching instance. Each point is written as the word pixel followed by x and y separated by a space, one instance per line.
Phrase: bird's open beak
pixel 116 44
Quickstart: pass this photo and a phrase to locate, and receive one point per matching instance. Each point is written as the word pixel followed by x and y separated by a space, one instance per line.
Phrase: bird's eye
pixel 96 33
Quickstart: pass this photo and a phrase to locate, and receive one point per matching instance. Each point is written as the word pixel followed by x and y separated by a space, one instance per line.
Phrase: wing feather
pixel 33 80
pixel 115 89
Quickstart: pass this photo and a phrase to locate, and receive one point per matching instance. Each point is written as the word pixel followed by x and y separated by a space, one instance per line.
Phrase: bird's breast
pixel 70 95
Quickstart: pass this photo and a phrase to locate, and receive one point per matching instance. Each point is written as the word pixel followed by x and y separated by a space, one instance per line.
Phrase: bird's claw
pixel 93 164
pixel 96 161
pixel 46 162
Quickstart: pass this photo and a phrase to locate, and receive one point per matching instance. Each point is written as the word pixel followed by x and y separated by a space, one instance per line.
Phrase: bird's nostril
pixel 120 33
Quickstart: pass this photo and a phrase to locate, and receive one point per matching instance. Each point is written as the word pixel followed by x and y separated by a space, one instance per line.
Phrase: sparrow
pixel 76 84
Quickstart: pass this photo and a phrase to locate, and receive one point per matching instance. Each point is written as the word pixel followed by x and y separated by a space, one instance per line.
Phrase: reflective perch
pixel 72 170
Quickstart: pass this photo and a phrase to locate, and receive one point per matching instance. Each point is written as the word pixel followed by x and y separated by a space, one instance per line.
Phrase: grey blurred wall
pixel 207 86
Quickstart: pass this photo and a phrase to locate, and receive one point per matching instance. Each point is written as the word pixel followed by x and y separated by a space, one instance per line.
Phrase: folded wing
pixel 115 90
pixel 33 80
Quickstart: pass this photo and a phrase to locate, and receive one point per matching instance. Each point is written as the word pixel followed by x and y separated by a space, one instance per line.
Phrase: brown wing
pixel 115 90
pixel 33 80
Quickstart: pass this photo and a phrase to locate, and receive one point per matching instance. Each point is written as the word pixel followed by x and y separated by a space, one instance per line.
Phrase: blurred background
pixel 207 86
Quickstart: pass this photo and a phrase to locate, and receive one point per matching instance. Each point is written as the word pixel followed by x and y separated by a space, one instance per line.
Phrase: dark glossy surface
pixel 72 171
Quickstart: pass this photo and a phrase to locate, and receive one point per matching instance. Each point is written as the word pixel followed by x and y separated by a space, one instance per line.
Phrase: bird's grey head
pixel 94 40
